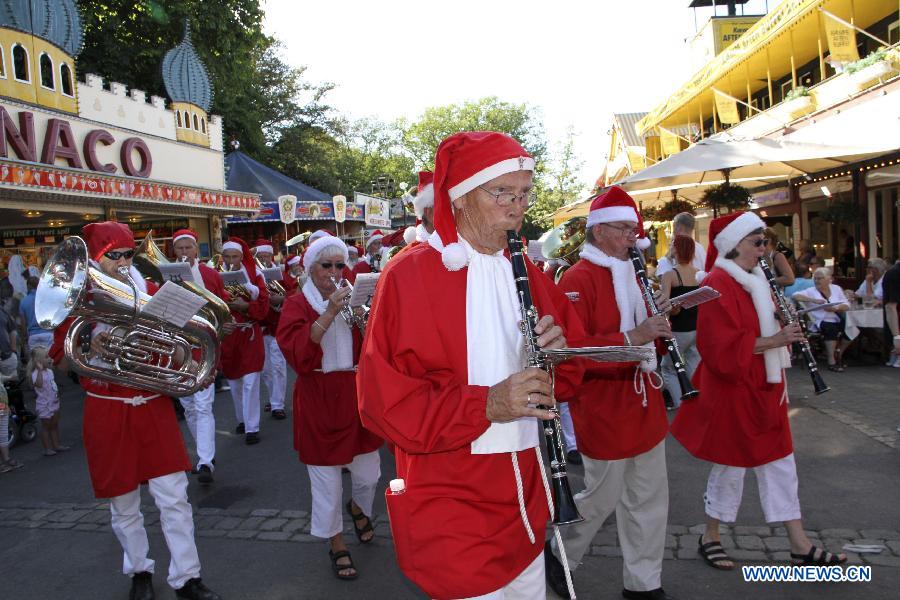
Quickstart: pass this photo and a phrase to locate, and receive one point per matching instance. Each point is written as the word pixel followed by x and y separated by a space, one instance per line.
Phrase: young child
pixel 40 370
pixel 7 463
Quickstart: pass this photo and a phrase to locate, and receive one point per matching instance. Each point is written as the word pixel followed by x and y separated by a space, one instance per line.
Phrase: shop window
pixel 187 120
pixel 65 80
pixel 46 65
pixel 178 117
pixel 196 123
pixel 20 63
pixel 2 64
pixel 203 125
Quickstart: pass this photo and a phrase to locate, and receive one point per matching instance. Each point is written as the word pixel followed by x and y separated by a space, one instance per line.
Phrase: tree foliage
pixel 557 186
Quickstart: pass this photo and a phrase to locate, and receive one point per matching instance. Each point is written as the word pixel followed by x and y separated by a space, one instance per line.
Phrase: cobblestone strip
pixel 742 542
pixel 885 434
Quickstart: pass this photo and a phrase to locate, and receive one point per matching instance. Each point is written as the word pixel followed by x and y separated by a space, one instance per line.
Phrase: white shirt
pixel 877 292
pixel 820 315
pixel 699 262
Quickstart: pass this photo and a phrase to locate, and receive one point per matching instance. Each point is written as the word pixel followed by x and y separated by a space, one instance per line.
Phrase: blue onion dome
pixel 185 76
pixel 56 21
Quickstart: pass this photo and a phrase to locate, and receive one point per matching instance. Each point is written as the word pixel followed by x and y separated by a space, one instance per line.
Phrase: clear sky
pixel 577 61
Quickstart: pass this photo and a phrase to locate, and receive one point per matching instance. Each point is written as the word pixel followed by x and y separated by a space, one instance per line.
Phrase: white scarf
pixel 755 283
pixel 198 276
pixel 629 300
pixel 337 341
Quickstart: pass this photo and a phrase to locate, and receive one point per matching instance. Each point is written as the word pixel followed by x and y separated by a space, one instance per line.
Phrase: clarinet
pixel 566 512
pixel 787 317
pixel 687 390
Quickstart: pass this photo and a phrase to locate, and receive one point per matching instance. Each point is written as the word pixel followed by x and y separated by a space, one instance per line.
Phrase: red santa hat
pixel 616 205
pixel 105 236
pixel 374 237
pixel 292 260
pixel 463 162
pixel 725 233
pixel 264 246
pixel 425 194
pixel 236 243
pixel 317 247
pixel 353 250
pixel 183 234
pixel 317 234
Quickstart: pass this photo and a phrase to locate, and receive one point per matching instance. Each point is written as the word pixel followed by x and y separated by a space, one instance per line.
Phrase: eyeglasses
pixel 507 198
pixel 760 242
pixel 117 254
pixel 328 265
pixel 622 229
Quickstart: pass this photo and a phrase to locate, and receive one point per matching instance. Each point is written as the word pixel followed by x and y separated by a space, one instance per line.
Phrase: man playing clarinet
pixel 618 411
pixel 455 398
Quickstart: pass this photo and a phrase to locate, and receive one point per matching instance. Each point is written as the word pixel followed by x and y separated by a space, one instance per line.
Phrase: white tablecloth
pixel 864 317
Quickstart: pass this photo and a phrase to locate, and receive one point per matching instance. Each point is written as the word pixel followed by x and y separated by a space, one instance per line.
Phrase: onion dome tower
pixel 39 40
pixel 187 83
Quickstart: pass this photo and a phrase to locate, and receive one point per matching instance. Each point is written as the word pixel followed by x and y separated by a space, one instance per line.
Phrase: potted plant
pixel 796 103
pixel 877 66
pixel 726 195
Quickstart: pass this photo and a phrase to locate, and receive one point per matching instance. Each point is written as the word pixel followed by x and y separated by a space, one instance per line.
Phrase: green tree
pixel 257 94
pixel 421 138
pixel 557 186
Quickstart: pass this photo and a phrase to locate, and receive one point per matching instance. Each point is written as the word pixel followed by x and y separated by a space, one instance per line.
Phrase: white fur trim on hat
pixel 320 245
pixel 409 235
pixel 232 246
pixel 373 238
pixel 265 248
pixel 734 232
pixel 423 200
pixel 317 234
pixel 353 249
pixel 183 236
pixel 611 214
pixel 293 261
pixel 510 165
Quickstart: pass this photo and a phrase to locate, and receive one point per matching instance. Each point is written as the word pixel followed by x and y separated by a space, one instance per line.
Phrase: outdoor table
pixel 863 317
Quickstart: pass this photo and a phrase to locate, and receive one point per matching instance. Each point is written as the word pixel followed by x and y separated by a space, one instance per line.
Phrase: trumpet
pixel 273 286
pixel 139 349
pixel 350 316
pixel 235 290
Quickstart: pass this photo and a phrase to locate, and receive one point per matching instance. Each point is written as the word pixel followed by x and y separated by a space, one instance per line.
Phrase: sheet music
pixel 234 277
pixel 174 304
pixel 177 271
pixel 695 297
pixel 363 288
pixel 809 307
pixel 535 251
pixel 273 274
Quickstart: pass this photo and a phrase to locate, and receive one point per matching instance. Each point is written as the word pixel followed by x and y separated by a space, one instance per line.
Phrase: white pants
pixel 175 517
pixel 245 393
pixel 274 374
pixel 530 584
pixel 328 492
pixel 687 343
pixel 198 412
pixel 777 483
pixel 637 489
pixel 568 427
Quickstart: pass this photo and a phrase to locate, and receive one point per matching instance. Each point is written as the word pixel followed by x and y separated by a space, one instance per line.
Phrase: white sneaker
pixel 894 361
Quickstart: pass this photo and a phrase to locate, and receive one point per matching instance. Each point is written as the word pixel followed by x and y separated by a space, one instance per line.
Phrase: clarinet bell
pixel 566 511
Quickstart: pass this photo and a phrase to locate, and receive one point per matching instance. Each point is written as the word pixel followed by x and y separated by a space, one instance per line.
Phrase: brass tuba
pixel 141 350
pixel 148 257
pixel 564 242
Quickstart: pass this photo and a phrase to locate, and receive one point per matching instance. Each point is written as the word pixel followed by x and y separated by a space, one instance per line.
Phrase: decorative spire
pixel 57 21
pixel 184 74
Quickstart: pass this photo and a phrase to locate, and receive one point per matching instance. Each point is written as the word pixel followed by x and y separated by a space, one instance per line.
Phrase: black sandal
pixel 335 557
pixel 825 558
pixel 714 555
pixel 360 530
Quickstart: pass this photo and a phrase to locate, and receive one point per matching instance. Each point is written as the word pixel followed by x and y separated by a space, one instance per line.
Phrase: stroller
pixel 22 422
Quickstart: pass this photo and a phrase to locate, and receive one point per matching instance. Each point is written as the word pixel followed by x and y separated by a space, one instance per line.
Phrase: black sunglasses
pixel 340 266
pixel 116 254
pixel 760 242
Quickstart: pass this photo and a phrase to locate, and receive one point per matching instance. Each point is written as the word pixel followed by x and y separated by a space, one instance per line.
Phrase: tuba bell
pixel 140 349
pixel 148 257
pixel 564 242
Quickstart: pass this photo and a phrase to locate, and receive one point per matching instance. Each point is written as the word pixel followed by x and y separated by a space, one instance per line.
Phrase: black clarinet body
pixel 687 390
pixel 566 512
pixel 787 317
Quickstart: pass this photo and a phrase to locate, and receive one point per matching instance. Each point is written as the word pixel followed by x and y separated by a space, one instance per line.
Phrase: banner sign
pixel 727 109
pixel 340 208
pixel 841 41
pixel 378 211
pixel 287 208
pixel 671 143
pixel 305 211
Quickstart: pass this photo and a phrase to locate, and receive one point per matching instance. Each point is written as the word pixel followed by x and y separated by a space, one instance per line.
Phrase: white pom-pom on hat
pixel 409 235
pixel 454 256
pixel 642 243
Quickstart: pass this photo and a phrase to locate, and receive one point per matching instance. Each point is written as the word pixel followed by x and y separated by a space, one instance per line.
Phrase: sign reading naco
pixel 38 136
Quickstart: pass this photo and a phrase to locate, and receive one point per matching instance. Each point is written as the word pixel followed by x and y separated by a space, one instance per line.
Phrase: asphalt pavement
pixel 253 522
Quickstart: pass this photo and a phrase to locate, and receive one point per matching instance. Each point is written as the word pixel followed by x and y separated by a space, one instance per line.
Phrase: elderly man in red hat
pixel 618 412
pixel 274 373
pixel 243 352
pixel 740 420
pixel 454 397
pixel 198 407
pixel 131 437
pixel 373 261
